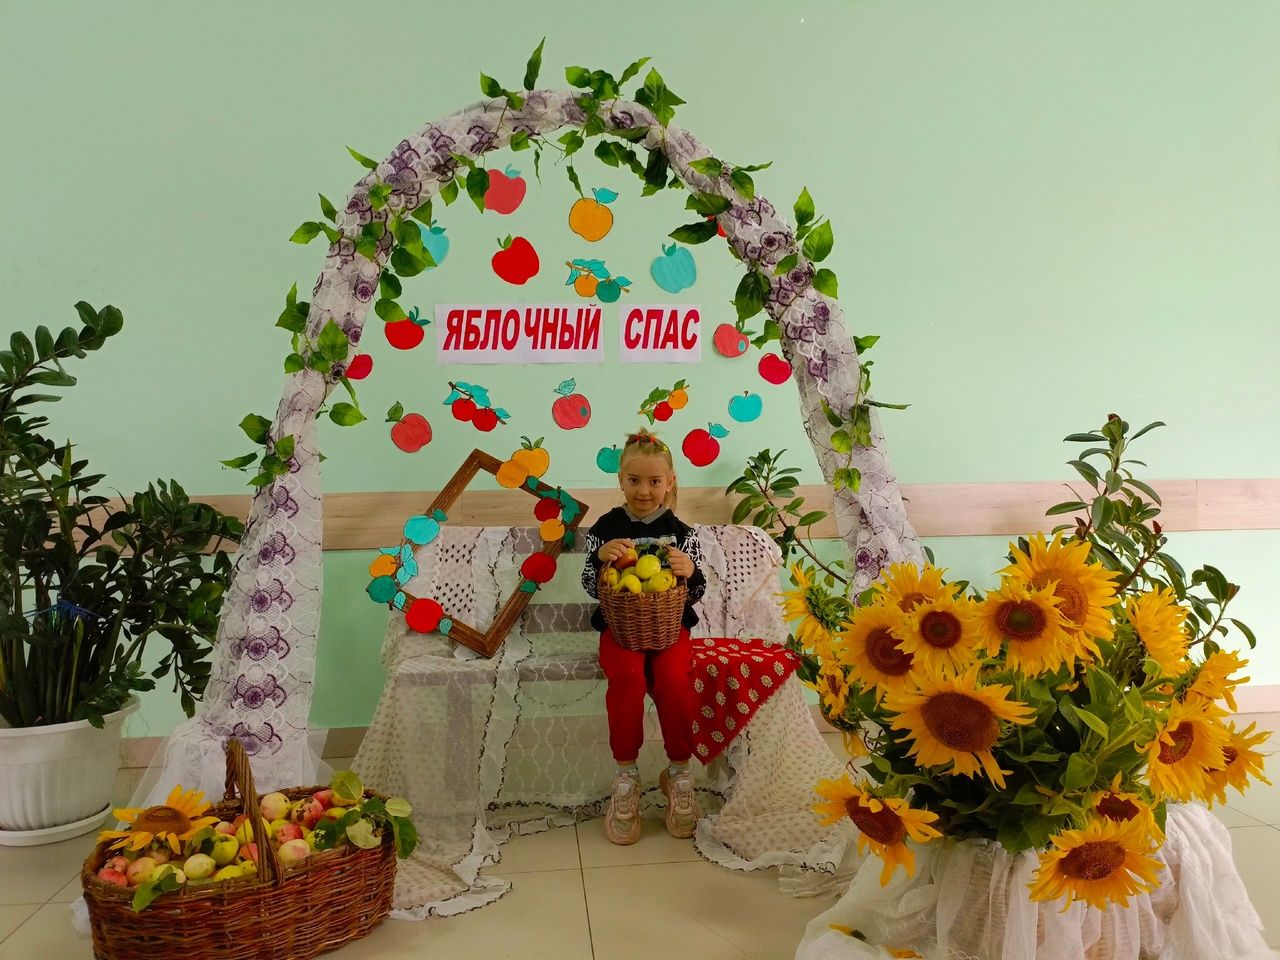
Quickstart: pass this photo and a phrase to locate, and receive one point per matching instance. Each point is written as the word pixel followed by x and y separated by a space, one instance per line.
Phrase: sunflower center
pixel 162 819
pixel 960 721
pixel 1229 754
pixel 1116 808
pixel 1020 620
pixel 1095 860
pixel 834 684
pixel 883 827
pixel 940 629
pixel 1183 735
pixel 884 654
pixel 911 600
pixel 1074 605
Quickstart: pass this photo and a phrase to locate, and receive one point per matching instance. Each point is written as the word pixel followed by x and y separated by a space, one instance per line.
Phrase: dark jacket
pixel 664 527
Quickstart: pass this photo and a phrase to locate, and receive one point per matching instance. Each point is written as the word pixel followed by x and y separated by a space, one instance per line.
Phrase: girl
pixel 647 478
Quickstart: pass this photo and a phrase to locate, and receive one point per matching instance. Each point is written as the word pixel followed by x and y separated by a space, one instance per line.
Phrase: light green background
pixel 1049 211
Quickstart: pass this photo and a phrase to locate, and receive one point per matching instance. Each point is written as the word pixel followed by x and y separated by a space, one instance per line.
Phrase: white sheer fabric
pixel 519 743
pixel 968 901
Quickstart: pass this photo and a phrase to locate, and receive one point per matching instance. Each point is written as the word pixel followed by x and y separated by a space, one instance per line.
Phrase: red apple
pixel 324 798
pixel 517 261
pixel 113 877
pixel 140 870
pixel 463 409
pixel 411 433
pixel 546 509
pixel 249 851
pixel 774 369
pixel 361 366
pixel 403 334
pixel 506 190
pixel 295 851
pixel 117 863
pixel 423 615
pixel 700 447
pixel 485 419
pixel 662 411
pixel 225 828
pixel 309 812
pixel 730 341
pixel 571 411
pixel 286 832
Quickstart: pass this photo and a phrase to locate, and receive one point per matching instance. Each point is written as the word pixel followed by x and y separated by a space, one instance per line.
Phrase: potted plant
pixel 86 582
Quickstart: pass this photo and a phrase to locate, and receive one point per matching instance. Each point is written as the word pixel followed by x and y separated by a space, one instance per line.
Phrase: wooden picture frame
pixel 486 643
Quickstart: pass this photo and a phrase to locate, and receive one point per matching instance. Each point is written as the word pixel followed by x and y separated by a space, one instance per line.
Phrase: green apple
pixel 224 850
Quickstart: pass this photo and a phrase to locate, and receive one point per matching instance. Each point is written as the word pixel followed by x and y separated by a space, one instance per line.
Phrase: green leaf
pixel 572 142
pixel 747 299
pixel 862 344
pixel 306 232
pixel 284 447
pixel 256 427
pixel 1084 438
pixel 490 87
pixel 1248 634
pixel 804 208
pixel 239 463
pixel 1069 506
pixel 44 343
pixel 578 76
pixel 329 211
pixel 633 68
pixel 346 787
pixel 477 186
pixel 367 247
pixel 363 160
pixel 1149 491
pixel 361 834
pixel 691 233
pixel 786 264
pixel 824 281
pixel 1149 426
pixel 389 286
pixel 293 363
pixel 422 213
pixel 819 242
pixel 708 166
pixel 407 264
pixel 1081 771
pixel 345 415
pixel 395 412
pixel 398 807
pixel 841 441
pixel 573 178
pixel 707 204
pixel 1093 722
pixel 379 194
pixel 449 192
pixel 811 518
pixel 534 66
pixel 406 836
pixel 389 310
pixel 743 183
pixel 519 140
pixel 333 345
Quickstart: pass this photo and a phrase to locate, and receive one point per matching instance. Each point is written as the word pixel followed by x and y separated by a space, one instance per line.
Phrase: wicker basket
pixel 283 913
pixel 643 621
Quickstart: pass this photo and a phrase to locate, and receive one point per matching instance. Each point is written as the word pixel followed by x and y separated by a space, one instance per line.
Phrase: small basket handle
pixel 240 780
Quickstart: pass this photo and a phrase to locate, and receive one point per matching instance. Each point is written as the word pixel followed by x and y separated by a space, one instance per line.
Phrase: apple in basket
pixel 274 806
pixel 118 863
pixel 140 870
pixel 158 873
pixel 308 811
pixel 249 852
pixel 295 851
pixel 611 576
pixel 113 877
pixel 630 583
pixel 628 559
pixel 287 832
pixel 224 850
pixel 230 872
pixel 199 866
pixel 225 828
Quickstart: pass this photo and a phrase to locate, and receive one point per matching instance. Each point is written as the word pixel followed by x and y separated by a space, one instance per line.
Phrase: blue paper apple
pixel 436 243
pixel 609 459
pixel 745 408
pixel 674 270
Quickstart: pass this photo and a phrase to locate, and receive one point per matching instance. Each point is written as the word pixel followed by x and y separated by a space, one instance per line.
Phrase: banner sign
pixel 565 333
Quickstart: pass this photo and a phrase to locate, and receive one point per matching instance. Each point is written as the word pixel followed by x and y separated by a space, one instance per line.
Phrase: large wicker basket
pixel 284 913
pixel 643 621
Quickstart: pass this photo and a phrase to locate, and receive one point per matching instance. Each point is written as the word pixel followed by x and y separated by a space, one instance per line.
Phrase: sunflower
pixel 1084 590
pixel 804 604
pixel 833 686
pixel 1029 620
pixel 1242 762
pixel 1105 862
pixel 1214 682
pixel 872 647
pixel 884 823
pixel 1121 806
pixel 940 634
pixel 906 585
pixel 1189 744
pixel 174 821
pixel 1158 621
pixel 952 719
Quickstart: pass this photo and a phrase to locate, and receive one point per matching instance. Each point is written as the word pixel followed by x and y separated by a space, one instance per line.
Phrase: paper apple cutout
pixel 663 411
pixel 730 341
pixel 571 411
pixel 701 447
pixel 361 366
pixel 423 615
pixel 591 219
pixel 485 419
pixel 407 333
pixel 411 432
pixel 434 242
pixel 538 567
pixel 774 369
pixel 517 261
pixel 463 409
pixel 609 459
pixel 746 408
pixel 546 509
pixel 506 191
pixel 674 270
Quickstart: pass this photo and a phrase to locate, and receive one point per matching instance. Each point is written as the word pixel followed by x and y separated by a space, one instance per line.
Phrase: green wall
pixel 1048 210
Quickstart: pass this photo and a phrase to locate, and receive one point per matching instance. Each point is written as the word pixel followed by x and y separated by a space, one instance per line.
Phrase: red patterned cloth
pixel 731 678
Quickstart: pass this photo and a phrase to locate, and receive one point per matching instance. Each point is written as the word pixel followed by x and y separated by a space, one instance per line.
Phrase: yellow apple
pixel 630 582
pixel 662 581
pixel 647 566
pixel 224 850
pixel 611 577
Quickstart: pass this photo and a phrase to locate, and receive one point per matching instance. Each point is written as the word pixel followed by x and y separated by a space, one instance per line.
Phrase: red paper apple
pixel 506 190
pixel 463 409
pixel 411 432
pixel 546 508
pixel 730 341
pixel 700 447
pixel 485 419
pixel 538 567
pixel 423 615
pixel 517 261
pixel 403 334
pixel 572 410
pixel 662 411
pixel 361 366
pixel 774 369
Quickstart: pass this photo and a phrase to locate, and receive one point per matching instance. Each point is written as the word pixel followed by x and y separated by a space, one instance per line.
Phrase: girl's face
pixel 645 480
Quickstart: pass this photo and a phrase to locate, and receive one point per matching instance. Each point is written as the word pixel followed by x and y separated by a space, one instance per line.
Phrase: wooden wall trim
pixel 361 521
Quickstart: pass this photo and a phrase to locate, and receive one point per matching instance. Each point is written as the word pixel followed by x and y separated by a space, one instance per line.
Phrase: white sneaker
pixel 622 815
pixel 682 803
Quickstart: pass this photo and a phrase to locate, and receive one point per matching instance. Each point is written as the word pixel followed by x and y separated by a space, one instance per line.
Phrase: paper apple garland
pixel 516 261
pixel 469 403
pixel 396 566
pixel 774 369
pixel 434 242
pixel 663 401
pixel 746 407
pixel 591 219
pixel 609 459
pixel 361 366
pixel 701 447
pixel 729 341
pixel 407 333
pixel 674 270
pixel 590 278
pixel 506 191
pixel 571 411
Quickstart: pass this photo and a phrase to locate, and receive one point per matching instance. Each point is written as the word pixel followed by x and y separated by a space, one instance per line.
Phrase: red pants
pixel 664 675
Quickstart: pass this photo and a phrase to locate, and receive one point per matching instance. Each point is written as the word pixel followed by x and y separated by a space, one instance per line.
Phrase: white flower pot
pixel 56 781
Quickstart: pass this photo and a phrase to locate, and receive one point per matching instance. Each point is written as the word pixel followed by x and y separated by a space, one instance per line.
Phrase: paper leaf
pixel 622 281
pixel 567 387
pixel 604 196
pixel 481 396
pixel 453 395
pixel 403 575
pixel 528 586
pixel 390 551
pixel 598 269
pixel 444 626
pixel 439 515
pixel 717 430
pixel 502 414
pixel 569 539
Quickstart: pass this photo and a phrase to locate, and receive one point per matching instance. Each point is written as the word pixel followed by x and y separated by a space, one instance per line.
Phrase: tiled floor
pixel 577 897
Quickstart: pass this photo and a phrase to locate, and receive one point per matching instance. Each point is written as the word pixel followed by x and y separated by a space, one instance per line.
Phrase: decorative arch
pixel 264 659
